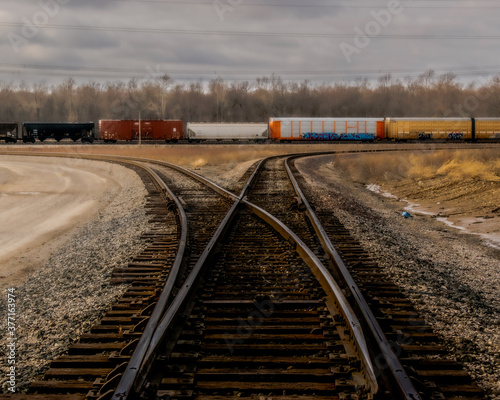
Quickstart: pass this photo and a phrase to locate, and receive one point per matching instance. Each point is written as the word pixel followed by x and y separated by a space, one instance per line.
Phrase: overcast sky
pixel 318 40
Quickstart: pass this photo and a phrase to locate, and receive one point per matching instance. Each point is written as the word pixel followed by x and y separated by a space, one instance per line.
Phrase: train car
pixel 402 129
pixel 486 128
pixel 329 129
pixel 9 131
pixel 58 131
pixel 227 131
pixel 168 130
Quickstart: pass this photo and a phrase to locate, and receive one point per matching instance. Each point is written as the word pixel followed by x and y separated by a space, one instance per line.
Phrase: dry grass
pixel 427 161
pixel 463 184
pixel 458 169
pixel 451 165
pixel 192 156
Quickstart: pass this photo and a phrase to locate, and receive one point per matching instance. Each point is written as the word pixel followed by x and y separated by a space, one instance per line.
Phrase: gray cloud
pixel 191 56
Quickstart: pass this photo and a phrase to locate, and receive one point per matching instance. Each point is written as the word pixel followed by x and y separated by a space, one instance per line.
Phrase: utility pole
pixel 139 129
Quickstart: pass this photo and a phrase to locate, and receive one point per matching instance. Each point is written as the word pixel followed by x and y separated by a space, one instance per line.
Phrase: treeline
pixel 428 95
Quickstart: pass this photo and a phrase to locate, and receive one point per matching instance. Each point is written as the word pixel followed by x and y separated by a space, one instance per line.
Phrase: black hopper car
pixel 58 131
pixel 9 131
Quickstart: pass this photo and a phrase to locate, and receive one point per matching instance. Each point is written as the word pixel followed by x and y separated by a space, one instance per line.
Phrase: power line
pixel 340 5
pixel 244 71
pixel 412 4
pixel 107 72
pixel 254 33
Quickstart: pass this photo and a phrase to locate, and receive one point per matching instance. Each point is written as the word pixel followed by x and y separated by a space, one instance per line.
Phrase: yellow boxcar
pixel 487 128
pixel 428 128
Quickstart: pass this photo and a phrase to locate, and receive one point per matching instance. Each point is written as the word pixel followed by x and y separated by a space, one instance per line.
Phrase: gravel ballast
pixel 452 278
pixel 69 293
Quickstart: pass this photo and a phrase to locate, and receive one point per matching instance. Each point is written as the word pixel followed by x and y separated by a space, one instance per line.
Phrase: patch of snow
pixel 415 208
pixel 377 189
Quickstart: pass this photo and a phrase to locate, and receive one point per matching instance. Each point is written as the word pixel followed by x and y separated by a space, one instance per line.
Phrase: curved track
pixel 249 307
pixel 408 346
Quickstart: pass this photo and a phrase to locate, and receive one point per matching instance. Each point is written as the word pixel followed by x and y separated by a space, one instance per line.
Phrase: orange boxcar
pixel 329 129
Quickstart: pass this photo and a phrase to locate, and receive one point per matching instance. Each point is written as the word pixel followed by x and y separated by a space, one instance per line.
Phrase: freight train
pixel 32 131
pixel 113 130
pixel 197 132
pixel 276 129
pixel 9 131
pixel 329 129
pixel 395 129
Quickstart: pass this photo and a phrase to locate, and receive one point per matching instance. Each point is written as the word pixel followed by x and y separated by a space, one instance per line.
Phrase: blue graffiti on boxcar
pixel 455 136
pixel 337 136
pixel 424 136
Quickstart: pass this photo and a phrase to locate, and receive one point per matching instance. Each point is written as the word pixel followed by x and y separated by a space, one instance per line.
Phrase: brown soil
pixel 471 204
pixel 460 188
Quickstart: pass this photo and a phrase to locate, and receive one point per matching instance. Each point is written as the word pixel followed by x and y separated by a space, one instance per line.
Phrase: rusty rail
pixel 405 387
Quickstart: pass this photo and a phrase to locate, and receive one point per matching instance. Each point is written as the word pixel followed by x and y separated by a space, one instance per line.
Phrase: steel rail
pixel 134 365
pixel 131 384
pixel 137 359
pixel 142 358
pixel 206 182
pixel 136 373
pixel 174 313
pixel 143 355
pixel 141 361
pixel 331 288
pixel 403 382
pixel 138 355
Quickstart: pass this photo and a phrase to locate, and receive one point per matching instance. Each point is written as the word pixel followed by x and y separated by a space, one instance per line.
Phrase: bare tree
pixel 221 101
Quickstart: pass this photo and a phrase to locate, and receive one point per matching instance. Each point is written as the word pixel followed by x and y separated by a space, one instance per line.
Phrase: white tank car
pixel 236 131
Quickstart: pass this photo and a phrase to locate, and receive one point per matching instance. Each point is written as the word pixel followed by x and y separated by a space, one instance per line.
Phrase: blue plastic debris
pixel 406 214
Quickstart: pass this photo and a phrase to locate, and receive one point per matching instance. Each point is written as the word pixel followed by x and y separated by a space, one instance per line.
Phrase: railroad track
pixel 433 372
pixel 252 309
pixel 107 348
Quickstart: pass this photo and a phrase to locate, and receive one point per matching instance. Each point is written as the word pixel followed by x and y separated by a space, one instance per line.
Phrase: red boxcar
pixel 114 130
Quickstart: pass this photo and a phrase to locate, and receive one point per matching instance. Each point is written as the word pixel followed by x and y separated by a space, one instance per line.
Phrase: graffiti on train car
pixel 337 136
pixel 456 136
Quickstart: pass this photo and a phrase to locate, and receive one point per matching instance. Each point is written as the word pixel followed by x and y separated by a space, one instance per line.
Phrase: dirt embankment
pixel 450 276
pixel 460 188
